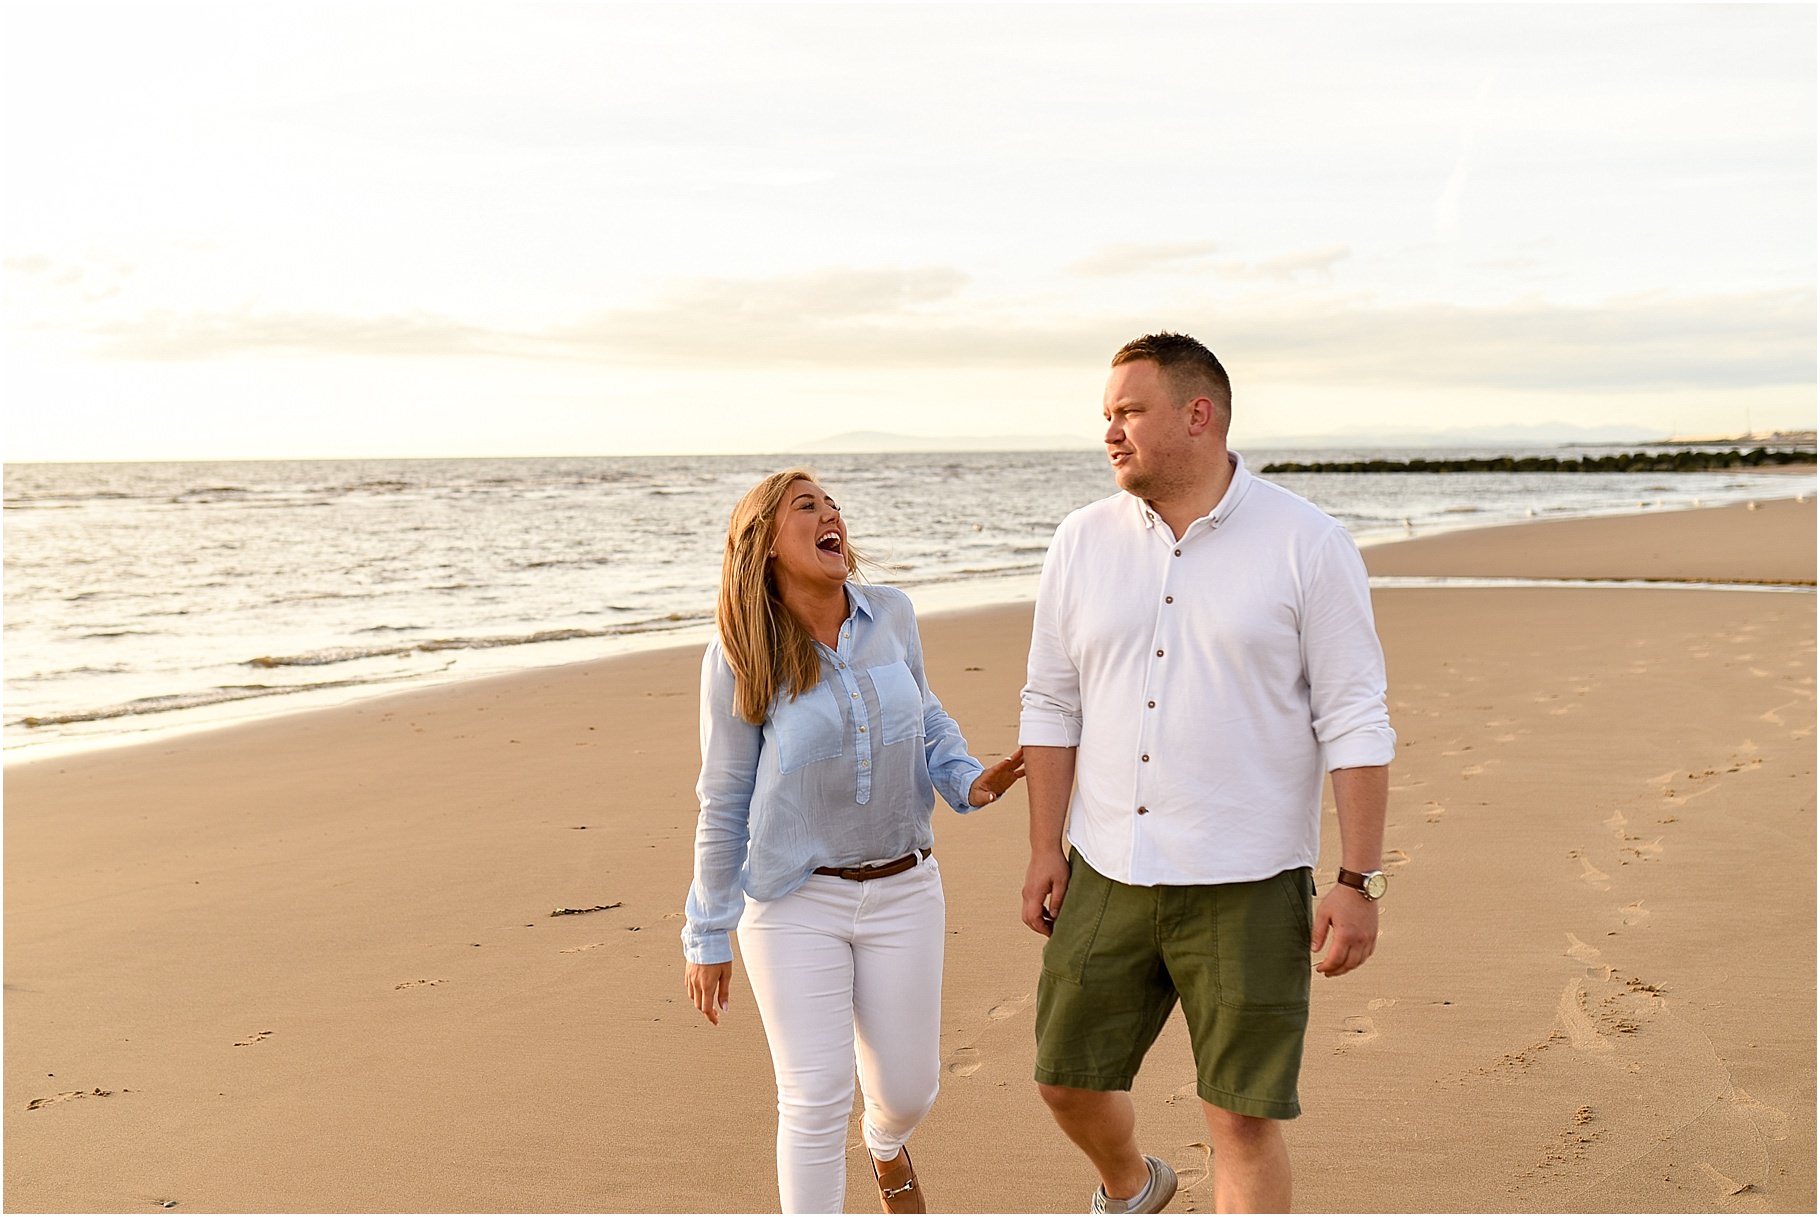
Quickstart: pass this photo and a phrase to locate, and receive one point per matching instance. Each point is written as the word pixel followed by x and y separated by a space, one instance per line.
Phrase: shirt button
pixel 1168 599
pixel 1178 553
pixel 1143 811
pixel 1159 653
pixel 1146 758
pixel 862 730
pixel 1152 705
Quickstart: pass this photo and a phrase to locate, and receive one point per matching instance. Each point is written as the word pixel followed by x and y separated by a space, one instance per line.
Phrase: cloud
pixel 890 320
pixel 1196 258
pixel 165 336
pixel 1712 342
pixel 1284 269
pixel 1143 258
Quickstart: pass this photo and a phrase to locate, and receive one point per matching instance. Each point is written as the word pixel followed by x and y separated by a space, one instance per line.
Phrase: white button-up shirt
pixel 1208 682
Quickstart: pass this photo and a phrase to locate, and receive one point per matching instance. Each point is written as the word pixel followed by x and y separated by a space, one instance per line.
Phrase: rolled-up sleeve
pixel 730 748
pixel 1344 661
pixel 1051 701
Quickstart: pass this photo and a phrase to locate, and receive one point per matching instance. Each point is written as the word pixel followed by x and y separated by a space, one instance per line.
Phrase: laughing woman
pixel 822 750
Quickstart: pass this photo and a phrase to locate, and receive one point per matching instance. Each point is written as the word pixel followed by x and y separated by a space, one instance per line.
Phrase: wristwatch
pixel 1371 884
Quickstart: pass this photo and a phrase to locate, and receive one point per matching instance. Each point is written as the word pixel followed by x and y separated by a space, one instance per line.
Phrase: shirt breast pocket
pixel 900 702
pixel 807 729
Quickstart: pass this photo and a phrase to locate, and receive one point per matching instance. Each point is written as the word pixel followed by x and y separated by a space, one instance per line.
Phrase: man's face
pixel 1146 430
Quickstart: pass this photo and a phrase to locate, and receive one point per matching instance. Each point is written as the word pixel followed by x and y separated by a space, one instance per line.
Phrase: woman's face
pixel 810 540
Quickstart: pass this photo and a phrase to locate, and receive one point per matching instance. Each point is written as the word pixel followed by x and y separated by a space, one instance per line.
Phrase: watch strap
pixel 1358 881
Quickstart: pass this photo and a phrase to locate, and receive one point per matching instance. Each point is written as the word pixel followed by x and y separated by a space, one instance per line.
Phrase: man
pixel 1203 651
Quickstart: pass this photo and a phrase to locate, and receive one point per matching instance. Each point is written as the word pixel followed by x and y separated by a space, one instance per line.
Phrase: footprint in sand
pixel 1395 857
pixel 965 1062
pixel 1581 951
pixel 592 946
pixel 1356 1029
pixel 1579 1024
pixel 1008 1007
pixel 413 984
pixel 1590 873
pixel 1188 1176
pixel 1772 1123
pixel 252 1039
pixel 1381 1003
pixel 1185 1093
pixel 1472 771
pixel 1617 824
pixel 1634 913
pixel 65 1097
pixel 1434 812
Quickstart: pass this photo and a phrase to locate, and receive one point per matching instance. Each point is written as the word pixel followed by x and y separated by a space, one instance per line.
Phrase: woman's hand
pixel 997 779
pixel 708 985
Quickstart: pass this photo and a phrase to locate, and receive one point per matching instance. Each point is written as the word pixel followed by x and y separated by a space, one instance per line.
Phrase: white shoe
pixel 1153 1199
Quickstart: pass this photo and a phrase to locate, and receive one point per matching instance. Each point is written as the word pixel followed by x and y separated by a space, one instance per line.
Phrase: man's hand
pixel 1352 922
pixel 708 985
pixel 1045 883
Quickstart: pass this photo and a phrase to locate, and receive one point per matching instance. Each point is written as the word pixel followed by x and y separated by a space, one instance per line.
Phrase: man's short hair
pixel 1192 369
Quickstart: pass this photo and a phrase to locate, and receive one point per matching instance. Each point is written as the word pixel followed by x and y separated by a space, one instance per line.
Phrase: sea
pixel 147 599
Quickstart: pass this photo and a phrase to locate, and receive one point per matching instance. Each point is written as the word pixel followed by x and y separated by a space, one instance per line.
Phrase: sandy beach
pixel 419 954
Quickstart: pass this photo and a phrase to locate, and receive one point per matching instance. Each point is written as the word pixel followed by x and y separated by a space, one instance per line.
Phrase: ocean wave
pixel 335 655
pixel 210 494
pixel 565 563
pixel 166 703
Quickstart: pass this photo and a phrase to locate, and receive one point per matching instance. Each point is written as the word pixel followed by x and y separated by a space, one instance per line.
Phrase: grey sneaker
pixel 1153 1199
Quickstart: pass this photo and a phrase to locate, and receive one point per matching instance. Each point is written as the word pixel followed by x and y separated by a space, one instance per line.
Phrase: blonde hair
pixel 768 649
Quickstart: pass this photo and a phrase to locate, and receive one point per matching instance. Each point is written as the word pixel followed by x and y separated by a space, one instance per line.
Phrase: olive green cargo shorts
pixel 1237 956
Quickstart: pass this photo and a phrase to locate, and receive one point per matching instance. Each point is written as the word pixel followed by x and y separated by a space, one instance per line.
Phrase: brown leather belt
pixel 859 874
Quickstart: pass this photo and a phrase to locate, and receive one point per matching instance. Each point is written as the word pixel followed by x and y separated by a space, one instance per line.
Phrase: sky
pixel 276 229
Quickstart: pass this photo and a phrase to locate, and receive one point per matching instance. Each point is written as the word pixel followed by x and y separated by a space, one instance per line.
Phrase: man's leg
pixel 1247 1012
pixel 1104 1124
pixel 1250 1162
pixel 1101 1001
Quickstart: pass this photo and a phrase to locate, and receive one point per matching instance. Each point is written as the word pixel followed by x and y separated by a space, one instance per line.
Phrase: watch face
pixel 1375 884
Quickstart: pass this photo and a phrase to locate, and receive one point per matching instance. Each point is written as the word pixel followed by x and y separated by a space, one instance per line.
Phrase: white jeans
pixel 847 975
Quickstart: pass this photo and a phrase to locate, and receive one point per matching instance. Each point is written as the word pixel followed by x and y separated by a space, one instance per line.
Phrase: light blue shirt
pixel 843 775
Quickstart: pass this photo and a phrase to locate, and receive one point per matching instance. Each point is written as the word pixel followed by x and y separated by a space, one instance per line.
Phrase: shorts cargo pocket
pixel 1070 943
pixel 1264 931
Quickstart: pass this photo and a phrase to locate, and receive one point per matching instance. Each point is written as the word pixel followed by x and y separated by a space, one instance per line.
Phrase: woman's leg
pixel 897 1003
pixel 799 961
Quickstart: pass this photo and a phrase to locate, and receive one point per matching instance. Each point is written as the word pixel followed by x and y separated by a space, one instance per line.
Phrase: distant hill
pixel 1490 435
